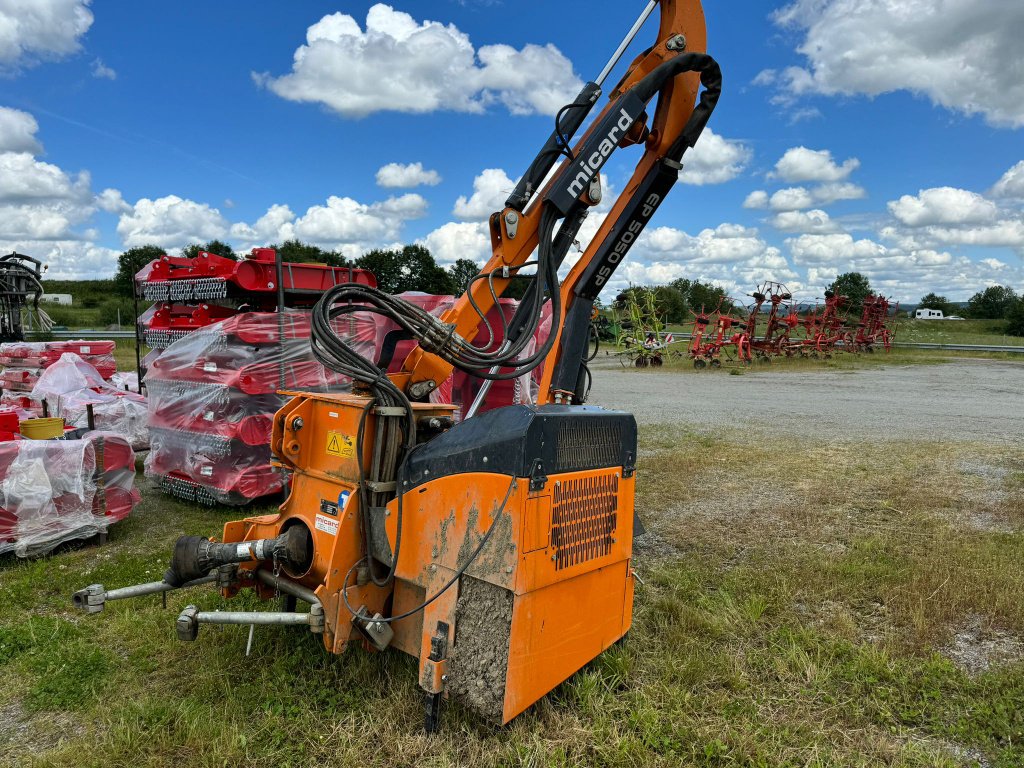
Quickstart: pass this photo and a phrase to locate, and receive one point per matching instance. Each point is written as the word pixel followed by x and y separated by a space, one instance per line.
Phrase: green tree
pixel 994 303
pixel 130 262
pixel 854 286
pixel 671 303
pixel 1015 326
pixel 461 272
pixel 707 296
pixel 298 252
pixel 410 269
pixel 932 301
pixel 216 247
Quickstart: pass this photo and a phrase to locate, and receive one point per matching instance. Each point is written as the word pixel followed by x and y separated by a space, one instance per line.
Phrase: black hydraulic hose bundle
pixel 433 335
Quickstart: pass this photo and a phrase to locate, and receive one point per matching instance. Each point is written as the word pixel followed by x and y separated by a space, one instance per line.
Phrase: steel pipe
pixel 92 598
pixel 289 587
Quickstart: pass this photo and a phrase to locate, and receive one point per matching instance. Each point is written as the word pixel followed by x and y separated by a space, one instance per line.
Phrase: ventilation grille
pixel 584 516
pixel 587 444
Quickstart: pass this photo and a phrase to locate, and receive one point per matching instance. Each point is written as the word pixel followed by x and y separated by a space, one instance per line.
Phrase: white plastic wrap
pixel 48 489
pixel 124 413
pixel 69 374
pixel 71 384
pixel 126 380
pixel 53 491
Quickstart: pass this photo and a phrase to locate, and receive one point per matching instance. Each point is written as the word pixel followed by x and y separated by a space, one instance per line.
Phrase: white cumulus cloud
pixel 801 164
pixel 797 198
pixel 402 65
pixel 171 222
pixel 406 176
pixel 714 160
pixel 1011 184
pixel 813 221
pixel 943 205
pixel 18 132
pixel 960 54
pixel 24 179
pixel 38 30
pixel 490 190
pixel 459 240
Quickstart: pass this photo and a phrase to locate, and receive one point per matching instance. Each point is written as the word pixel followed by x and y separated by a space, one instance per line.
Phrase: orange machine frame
pixel 563 613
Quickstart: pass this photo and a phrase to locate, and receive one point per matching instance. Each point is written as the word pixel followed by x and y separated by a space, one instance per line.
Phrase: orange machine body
pixel 514 526
pixel 548 592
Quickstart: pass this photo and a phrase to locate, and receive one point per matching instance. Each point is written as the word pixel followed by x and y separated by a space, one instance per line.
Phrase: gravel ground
pixel 965 399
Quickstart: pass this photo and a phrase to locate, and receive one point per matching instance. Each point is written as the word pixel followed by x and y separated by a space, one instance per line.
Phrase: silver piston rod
pixel 626 41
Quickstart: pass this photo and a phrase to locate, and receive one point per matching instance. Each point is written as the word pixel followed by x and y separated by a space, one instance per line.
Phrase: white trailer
pixel 64 299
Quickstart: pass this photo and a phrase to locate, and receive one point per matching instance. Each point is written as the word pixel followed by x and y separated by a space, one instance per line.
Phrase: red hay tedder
pixel 774 326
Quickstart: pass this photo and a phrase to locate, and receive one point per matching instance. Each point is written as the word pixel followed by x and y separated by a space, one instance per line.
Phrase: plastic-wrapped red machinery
pixel 213 394
pixel 71 386
pixel 24 362
pixel 53 491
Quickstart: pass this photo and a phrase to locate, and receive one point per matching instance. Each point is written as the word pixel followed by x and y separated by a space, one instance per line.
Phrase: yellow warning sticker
pixel 341 445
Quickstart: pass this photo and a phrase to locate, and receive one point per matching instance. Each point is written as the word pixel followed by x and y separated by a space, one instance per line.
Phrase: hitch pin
pixel 626 42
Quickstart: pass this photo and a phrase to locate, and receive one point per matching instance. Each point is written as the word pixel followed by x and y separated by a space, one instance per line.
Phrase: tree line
pixel 997 302
pixel 678 301
pixel 413 268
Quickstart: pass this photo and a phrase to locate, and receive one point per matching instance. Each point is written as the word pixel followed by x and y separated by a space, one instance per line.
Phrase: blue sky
pixel 891 131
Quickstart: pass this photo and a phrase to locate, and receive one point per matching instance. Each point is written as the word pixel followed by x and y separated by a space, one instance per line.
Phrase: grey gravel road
pixel 961 400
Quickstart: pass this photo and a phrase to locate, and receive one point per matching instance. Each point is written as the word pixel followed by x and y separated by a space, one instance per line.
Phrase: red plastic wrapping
pixel 53 491
pixel 38 355
pixel 213 395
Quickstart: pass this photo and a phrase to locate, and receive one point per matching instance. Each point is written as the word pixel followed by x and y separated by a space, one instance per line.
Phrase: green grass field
pixel 829 604
pixel 991 332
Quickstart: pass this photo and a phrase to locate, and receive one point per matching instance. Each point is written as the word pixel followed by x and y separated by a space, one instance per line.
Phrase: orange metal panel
pixel 559 629
pixel 537 523
pixel 591 527
pixel 444 520
pixel 408 632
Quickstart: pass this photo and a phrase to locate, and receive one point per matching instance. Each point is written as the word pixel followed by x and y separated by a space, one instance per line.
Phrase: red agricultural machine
pixel 786 332
pixel 729 338
pixel 873 329
pixel 776 333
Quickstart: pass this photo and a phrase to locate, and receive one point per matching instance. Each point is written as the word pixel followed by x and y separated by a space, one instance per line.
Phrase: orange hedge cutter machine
pixel 496 550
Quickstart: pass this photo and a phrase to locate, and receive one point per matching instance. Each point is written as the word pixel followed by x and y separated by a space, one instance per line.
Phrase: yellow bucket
pixel 42 429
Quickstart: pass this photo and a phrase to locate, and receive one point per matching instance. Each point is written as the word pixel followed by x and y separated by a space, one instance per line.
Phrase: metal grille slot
pixel 584 517
pixel 587 444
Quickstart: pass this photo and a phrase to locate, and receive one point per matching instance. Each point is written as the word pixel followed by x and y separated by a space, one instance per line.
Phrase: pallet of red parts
pixel 209 277
pixel 38 355
pixel 213 395
pixel 54 491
